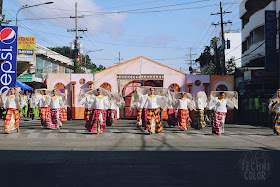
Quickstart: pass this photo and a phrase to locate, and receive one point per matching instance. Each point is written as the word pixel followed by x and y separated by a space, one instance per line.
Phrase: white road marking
pixel 52 136
pixel 92 136
pixel 14 136
pixel 33 135
pixel 132 131
pixel 48 130
pixel 114 130
pixel 64 130
pixel 80 131
pixel 203 136
pixel 71 135
pixel 130 136
pixel 29 131
pixel 109 135
pixel 184 135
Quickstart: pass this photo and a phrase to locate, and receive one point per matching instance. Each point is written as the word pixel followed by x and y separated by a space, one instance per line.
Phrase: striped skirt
pixel 88 112
pixel 276 122
pixel 98 121
pixel 53 119
pixel 153 121
pixel 199 120
pixel 111 117
pixel 218 122
pixel 183 119
pixel 12 120
pixel 144 117
pixel 63 115
pixel 44 112
pixel 139 117
pixel 172 117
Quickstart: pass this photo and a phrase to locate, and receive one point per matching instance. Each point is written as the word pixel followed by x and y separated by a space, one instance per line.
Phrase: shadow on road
pixel 129 168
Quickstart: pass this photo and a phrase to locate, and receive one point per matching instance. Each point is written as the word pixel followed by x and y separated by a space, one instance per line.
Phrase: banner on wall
pixel 8 57
pixel 26 49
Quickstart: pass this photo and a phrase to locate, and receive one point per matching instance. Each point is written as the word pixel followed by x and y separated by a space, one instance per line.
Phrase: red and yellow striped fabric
pixel 183 119
pixel 7 122
pixel 150 114
pixel 44 112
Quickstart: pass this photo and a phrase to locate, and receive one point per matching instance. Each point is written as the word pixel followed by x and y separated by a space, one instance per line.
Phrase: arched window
pixel 60 87
pixel 174 88
pixel 106 86
pixel 222 87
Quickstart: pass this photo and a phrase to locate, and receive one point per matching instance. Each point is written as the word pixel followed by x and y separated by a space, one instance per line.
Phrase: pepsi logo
pixel 8 36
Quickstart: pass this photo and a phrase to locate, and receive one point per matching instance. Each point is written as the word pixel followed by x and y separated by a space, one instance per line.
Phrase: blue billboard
pixel 8 57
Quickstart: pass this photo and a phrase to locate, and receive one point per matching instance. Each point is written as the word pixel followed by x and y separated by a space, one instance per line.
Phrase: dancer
pixel 157 98
pixel 219 102
pixel 41 100
pixel 100 100
pixel 199 120
pixel 56 103
pixel 12 102
pixel 88 105
pixel 137 102
pixel 115 103
pixel 171 112
pixel 184 103
pixel 274 106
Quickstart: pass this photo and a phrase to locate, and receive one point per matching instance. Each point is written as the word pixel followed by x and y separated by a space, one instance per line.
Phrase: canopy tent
pixel 23 86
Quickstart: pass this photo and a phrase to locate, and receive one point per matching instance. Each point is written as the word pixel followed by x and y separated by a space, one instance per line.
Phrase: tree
pixel 230 66
pixel 86 61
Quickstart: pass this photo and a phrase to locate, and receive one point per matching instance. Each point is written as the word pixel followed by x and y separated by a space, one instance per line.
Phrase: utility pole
pixel 222 23
pixel 76 30
pixel 1 8
pixel 190 61
pixel 120 58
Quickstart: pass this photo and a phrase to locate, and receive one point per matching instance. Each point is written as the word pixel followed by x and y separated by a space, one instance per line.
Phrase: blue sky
pixel 162 30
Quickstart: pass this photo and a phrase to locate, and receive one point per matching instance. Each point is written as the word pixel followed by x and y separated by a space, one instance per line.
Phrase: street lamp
pixel 90 51
pixel 26 6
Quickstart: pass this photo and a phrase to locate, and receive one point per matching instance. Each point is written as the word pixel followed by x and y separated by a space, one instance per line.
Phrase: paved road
pixel 125 155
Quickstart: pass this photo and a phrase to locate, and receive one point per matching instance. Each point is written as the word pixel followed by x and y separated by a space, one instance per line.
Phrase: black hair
pixel 221 93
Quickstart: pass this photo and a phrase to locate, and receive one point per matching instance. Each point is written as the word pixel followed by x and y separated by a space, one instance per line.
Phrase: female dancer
pixel 115 103
pixel 55 102
pixel 199 120
pixel 274 106
pixel 12 102
pixel 41 100
pixel 100 100
pixel 184 103
pixel 219 102
pixel 171 112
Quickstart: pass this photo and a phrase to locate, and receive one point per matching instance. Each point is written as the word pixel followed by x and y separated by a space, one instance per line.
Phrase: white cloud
pixel 108 23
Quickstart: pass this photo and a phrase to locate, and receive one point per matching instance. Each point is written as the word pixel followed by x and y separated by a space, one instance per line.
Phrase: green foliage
pixel 230 66
pixel 86 61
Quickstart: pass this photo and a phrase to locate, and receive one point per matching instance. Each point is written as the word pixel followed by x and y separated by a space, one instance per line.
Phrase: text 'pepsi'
pixel 8 55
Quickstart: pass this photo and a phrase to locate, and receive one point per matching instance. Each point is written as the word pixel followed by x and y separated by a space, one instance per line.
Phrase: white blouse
pixel 113 105
pixel 41 101
pixel 221 106
pixel 276 107
pixel 152 102
pixel 56 102
pixel 201 105
pixel 99 102
pixel 183 103
pixel 12 101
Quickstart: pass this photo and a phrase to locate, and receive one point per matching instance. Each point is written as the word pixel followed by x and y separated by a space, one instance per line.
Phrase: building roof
pixel 126 62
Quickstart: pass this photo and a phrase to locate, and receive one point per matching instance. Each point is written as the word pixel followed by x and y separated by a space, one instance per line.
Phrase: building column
pixel 189 84
pixel 72 85
pixel 206 86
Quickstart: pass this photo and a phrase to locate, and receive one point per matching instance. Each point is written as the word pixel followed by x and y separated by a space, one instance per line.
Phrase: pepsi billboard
pixel 8 57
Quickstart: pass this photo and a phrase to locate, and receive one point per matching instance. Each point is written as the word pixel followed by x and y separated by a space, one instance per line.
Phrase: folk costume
pixel 220 108
pixel 13 104
pixel 274 107
pixel 171 112
pixel 184 102
pixel 116 102
pixel 199 120
pixel 153 104
pixel 100 103
pixel 41 100
pixel 56 103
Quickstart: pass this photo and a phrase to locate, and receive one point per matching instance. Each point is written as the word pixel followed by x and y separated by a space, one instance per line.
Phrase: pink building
pixel 127 76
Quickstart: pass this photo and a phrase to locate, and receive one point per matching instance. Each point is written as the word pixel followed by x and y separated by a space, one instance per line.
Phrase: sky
pixel 162 30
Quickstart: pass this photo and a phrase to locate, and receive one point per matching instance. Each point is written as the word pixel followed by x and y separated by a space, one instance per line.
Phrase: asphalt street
pixel 246 155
